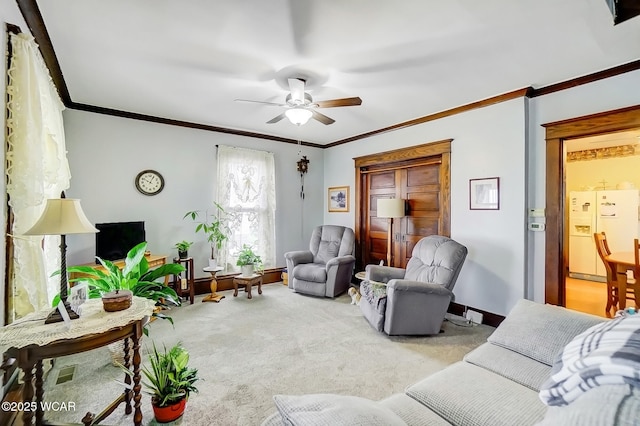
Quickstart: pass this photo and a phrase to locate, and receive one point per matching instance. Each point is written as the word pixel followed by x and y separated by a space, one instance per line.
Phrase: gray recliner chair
pixel 326 268
pixel 413 301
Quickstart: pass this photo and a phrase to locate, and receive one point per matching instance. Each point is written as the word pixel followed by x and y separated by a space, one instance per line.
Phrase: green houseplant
pixel 248 260
pixel 135 277
pixel 169 381
pixel 214 227
pixel 183 248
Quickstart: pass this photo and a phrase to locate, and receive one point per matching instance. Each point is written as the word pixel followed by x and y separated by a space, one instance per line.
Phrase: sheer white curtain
pixel 36 169
pixel 246 190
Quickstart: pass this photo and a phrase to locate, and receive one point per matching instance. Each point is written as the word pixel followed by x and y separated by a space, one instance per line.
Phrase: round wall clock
pixel 149 182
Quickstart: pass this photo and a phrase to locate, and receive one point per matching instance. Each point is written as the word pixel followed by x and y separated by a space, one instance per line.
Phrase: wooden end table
pixel 189 279
pixel 31 341
pixel 247 282
pixel 213 297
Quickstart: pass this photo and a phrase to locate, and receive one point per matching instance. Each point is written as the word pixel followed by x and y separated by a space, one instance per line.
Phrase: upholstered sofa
pixel 539 352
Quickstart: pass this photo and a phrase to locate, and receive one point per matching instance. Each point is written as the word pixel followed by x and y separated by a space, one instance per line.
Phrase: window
pixel 246 191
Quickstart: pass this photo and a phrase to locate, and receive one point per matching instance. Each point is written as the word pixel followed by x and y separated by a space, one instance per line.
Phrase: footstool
pixel 247 282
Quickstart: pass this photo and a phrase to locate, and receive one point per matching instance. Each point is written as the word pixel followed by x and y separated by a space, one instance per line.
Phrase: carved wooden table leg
pixel 27 391
pixel 137 417
pixel 39 393
pixel 213 297
pixel 127 378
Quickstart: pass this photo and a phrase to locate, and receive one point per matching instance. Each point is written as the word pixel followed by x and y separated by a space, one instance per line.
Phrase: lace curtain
pixel 36 169
pixel 246 191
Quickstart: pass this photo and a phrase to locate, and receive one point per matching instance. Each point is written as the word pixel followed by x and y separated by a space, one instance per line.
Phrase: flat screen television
pixel 115 239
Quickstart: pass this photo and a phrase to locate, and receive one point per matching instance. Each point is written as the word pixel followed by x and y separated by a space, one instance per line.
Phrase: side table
pixel 30 341
pixel 247 282
pixel 213 297
pixel 188 265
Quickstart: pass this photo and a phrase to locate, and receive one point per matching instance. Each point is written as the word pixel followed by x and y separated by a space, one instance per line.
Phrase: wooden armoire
pixel 420 175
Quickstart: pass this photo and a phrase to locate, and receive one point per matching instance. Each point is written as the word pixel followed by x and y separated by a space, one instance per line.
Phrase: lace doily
pixel 93 320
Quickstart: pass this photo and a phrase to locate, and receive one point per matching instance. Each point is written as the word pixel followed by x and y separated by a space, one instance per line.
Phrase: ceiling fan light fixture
pixel 298 116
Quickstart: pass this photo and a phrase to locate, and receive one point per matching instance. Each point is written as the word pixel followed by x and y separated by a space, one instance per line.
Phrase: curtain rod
pixel 239 147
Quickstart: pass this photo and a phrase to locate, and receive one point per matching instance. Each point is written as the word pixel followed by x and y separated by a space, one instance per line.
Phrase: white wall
pixel 603 95
pixel 487 142
pixel 615 171
pixel 106 153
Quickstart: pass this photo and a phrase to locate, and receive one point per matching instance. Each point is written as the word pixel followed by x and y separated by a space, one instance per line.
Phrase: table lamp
pixel 62 216
pixel 390 208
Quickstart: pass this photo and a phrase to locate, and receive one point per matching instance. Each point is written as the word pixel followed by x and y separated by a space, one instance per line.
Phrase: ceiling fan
pixel 301 107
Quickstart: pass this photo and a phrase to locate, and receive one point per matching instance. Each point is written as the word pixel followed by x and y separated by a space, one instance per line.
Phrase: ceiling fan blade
pixel 322 118
pixel 332 103
pixel 276 119
pixel 296 86
pixel 260 102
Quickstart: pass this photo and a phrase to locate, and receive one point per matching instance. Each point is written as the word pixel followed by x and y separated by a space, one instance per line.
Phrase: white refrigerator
pixel 615 212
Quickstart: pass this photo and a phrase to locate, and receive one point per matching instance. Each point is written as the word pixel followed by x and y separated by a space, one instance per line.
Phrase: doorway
pixel 602 196
pixel 557 233
pixel 419 175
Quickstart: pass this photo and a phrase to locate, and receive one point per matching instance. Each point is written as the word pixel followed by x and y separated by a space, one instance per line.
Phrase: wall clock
pixel 149 182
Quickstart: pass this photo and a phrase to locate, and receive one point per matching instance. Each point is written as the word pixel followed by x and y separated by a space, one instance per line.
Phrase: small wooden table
pixel 623 261
pixel 213 297
pixel 30 341
pixel 189 279
pixel 247 282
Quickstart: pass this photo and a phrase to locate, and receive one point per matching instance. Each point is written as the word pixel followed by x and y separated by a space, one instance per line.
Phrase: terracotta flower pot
pixel 117 300
pixel 169 413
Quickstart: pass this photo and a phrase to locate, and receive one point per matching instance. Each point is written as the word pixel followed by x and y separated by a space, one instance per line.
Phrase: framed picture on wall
pixel 484 194
pixel 338 199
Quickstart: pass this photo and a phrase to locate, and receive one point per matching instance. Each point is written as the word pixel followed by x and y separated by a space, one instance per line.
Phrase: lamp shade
pixel 62 216
pixel 390 207
pixel 298 116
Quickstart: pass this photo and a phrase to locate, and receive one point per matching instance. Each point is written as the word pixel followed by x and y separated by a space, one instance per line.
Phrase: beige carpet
pixel 279 342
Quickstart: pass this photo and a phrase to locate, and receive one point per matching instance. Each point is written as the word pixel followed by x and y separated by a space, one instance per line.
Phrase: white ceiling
pixel 189 60
pixel 628 137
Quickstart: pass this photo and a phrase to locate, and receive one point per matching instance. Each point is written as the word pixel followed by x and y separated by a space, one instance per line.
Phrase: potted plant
pixel 248 261
pixel 183 248
pixel 135 277
pixel 215 228
pixel 169 381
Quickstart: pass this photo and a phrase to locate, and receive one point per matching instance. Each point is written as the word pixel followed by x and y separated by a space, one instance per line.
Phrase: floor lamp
pixel 390 208
pixel 62 216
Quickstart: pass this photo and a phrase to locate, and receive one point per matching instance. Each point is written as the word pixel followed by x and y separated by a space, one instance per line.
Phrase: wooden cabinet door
pixel 379 185
pixel 421 176
pixel 420 187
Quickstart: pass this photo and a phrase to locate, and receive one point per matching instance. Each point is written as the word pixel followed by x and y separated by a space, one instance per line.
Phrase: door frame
pixel 397 157
pixel 556 235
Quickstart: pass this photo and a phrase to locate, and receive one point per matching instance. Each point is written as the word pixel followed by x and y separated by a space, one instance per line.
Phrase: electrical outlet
pixel 473 316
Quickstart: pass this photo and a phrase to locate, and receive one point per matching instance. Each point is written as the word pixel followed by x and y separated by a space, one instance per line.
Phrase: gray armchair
pixel 326 268
pixel 413 301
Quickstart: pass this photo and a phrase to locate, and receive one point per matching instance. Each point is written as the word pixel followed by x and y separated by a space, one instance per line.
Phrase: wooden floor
pixel 586 296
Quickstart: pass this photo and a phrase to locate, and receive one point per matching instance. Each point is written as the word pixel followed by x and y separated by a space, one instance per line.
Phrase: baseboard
pixel 489 318
pixel 225 281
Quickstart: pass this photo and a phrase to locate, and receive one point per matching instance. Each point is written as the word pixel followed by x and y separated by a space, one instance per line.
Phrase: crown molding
pixel 35 22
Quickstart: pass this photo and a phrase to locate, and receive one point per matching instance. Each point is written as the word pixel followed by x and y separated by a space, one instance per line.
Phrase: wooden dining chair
pixel 602 247
pixel 636 270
